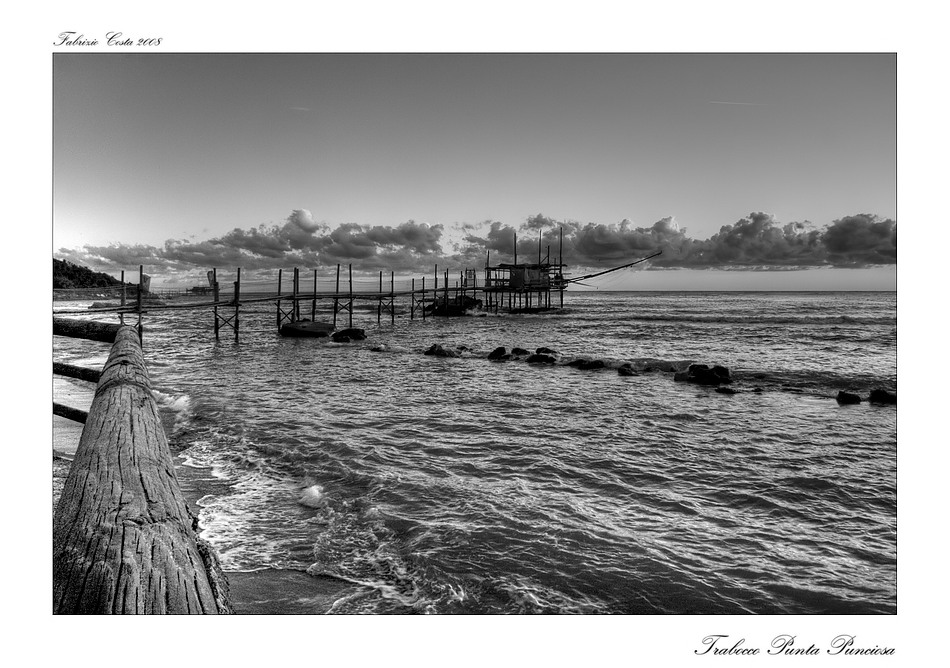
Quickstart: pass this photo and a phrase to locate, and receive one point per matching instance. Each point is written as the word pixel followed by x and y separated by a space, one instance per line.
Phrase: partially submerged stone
pixel 702 374
pixel 847 398
pixel 882 396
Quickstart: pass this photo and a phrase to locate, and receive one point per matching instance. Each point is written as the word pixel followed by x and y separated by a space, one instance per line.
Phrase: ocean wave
pixel 356 546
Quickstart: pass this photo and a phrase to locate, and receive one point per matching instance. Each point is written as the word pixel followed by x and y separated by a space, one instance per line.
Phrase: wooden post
pixel 77 372
pixel 336 295
pixel 85 329
pixel 392 297
pixel 215 293
pixel 124 541
pixel 351 296
pixel 560 268
pixel 423 297
pixel 295 305
pixel 412 303
pixel 69 413
pixel 379 303
pixel 122 298
pixel 237 303
pixel 139 305
pixel 313 304
pixel 280 281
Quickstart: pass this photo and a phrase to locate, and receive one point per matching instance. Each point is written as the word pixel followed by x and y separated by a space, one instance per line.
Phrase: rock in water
pixel 882 396
pixel 540 359
pixel 846 398
pixel 437 350
pixel 498 353
pixel 587 365
pixel 350 334
pixel 701 374
pixel 305 328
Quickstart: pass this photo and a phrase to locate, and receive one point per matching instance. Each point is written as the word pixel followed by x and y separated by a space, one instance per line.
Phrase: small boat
pixel 307 328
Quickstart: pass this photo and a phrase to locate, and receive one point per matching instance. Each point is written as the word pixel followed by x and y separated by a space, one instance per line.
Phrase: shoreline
pixel 265 591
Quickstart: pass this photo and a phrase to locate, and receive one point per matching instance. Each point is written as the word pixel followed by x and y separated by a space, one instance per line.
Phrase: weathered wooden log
pixel 70 413
pixel 71 371
pixel 124 540
pixel 85 329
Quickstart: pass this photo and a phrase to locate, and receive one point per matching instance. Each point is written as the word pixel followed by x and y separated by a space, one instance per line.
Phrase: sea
pixel 370 478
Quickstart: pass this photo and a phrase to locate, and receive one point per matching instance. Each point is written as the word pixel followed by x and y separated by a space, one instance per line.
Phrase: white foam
pixel 313 497
pixel 178 403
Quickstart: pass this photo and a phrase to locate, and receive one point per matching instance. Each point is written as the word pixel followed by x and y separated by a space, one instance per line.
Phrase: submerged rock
pixel 499 353
pixel 545 351
pixel 519 352
pixel 626 370
pixel 349 334
pixel 437 350
pixel 846 398
pixel 701 374
pixel 590 365
pixel 306 328
pixel 726 390
pixel 541 359
pixel 586 365
pixel 882 396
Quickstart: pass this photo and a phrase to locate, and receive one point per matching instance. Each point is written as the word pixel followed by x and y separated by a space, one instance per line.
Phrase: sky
pixel 183 162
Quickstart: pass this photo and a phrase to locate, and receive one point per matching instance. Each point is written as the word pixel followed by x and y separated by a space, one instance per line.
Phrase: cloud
pixel 303 219
pixel 860 240
pixel 755 242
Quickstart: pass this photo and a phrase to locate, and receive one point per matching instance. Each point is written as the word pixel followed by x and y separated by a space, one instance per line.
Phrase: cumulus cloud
pixel 860 240
pixel 303 219
pixel 755 242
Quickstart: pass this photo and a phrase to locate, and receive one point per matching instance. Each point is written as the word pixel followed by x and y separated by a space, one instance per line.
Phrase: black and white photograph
pixel 672 390
pixel 477 333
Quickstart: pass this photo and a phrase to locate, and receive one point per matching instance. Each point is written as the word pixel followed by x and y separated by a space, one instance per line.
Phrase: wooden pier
pixel 526 287
pixel 506 287
pixel 124 540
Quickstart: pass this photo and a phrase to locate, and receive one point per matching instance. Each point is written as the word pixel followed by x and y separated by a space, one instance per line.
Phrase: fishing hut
pixel 513 287
pixel 524 288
